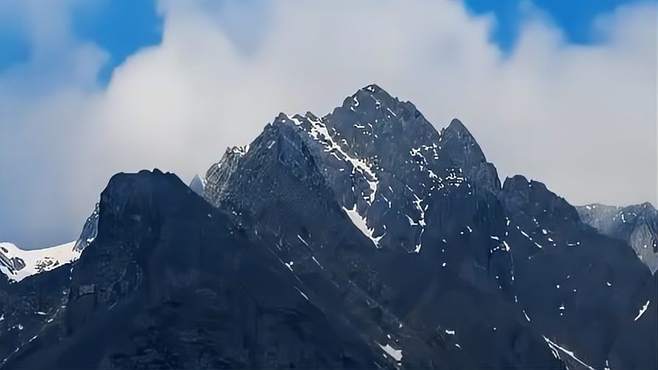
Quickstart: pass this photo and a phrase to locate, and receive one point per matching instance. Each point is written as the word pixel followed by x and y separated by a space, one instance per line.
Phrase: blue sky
pixel 91 88
pixel 121 27
pixel 573 17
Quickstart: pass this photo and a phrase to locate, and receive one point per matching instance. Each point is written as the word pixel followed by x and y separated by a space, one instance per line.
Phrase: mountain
pixel 17 263
pixel 197 185
pixel 170 283
pixel 636 224
pixel 429 202
pixel 361 239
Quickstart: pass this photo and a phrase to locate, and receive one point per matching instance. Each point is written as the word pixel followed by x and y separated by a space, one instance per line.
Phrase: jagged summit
pixel 377 167
pixel 374 88
pixel 383 113
pixel 456 133
pixel 373 152
pixel 457 126
pixel 358 240
pixel 371 95
pixel 464 150
pixel 518 182
pixel 520 194
pixel 197 184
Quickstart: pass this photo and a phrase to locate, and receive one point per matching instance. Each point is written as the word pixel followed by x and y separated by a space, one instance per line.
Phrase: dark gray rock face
pixel 89 231
pixel 171 283
pixel 384 162
pixel 637 225
pixel 362 239
pixel 636 346
pixel 430 203
pixel 220 173
pixel 280 191
pixel 467 155
pixel 575 284
pixel 27 307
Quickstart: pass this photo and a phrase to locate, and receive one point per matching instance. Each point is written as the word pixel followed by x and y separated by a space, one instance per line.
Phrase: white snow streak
pixel 642 311
pixel 37 260
pixel 556 349
pixel 319 133
pixel 302 294
pixel 396 354
pixel 361 223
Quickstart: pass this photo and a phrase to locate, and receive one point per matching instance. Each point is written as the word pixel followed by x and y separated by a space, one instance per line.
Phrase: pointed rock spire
pixel 464 150
pixel 197 185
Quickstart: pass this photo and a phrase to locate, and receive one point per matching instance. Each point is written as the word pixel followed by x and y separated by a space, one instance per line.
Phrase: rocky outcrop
pixel 361 239
pixel 637 225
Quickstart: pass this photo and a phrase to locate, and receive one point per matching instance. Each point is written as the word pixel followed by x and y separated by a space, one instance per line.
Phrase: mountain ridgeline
pixel 363 239
pixel 637 225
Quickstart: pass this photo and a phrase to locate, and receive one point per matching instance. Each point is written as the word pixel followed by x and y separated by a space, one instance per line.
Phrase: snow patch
pixel 302 240
pixel 396 354
pixel 526 316
pixel 18 264
pixel 556 349
pixel 361 223
pixel 302 294
pixel 320 133
pixel 642 311
pixel 316 262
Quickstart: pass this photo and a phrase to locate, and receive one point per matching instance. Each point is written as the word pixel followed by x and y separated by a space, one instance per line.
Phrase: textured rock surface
pixel 419 196
pixel 170 283
pixel 89 231
pixel 361 239
pixel 637 225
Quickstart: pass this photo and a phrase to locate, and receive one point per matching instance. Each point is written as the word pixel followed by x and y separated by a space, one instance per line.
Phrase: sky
pixel 561 91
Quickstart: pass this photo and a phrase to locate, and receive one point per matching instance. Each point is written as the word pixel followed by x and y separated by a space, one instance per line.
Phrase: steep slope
pixel 169 282
pixel 637 225
pixel 299 184
pixel 28 305
pixel 278 190
pixel 577 286
pixel 385 164
pixel 361 239
pixel 636 347
pixel 89 230
pixel 430 203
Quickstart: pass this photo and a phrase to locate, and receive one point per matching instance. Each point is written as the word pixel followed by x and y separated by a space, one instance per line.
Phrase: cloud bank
pixel 581 118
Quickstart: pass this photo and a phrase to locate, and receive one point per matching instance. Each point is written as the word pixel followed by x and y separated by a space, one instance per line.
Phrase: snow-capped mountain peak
pixel 363 238
pixel 17 263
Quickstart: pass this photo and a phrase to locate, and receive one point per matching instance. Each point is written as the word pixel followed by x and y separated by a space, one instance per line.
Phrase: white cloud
pixel 580 118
